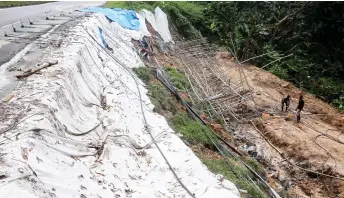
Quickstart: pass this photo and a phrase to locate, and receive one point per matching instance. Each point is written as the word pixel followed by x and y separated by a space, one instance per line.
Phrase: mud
pixel 315 144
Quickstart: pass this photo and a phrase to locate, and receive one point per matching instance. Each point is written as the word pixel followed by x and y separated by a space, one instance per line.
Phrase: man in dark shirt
pixel 286 102
pixel 299 108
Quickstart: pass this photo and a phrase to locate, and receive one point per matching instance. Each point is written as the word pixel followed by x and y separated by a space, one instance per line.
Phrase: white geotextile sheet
pixel 40 159
pixel 159 22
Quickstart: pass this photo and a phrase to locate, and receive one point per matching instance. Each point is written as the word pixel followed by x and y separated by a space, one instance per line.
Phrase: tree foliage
pixel 304 40
pixel 311 33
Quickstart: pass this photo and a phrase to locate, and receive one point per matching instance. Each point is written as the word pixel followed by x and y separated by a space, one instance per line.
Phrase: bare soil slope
pixel 316 143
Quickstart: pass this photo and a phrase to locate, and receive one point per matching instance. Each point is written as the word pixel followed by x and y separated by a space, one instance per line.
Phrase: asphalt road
pixel 11 18
pixel 15 41
pixel 13 15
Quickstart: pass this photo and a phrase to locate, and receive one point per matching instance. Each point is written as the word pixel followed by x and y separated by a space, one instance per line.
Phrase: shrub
pixel 178 79
pixel 161 98
pixel 193 131
pixel 143 73
pixel 134 5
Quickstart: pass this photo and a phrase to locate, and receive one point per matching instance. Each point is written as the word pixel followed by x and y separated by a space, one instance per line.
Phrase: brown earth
pixel 316 143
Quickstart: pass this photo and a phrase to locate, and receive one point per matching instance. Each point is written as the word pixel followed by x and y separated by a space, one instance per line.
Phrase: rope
pixel 83 133
pixel 143 115
pixel 169 85
pixel 17 123
pixel 291 163
pixel 141 105
pixel 136 145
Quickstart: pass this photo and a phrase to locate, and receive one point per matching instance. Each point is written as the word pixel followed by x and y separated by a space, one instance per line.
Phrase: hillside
pixel 172 99
pixel 316 144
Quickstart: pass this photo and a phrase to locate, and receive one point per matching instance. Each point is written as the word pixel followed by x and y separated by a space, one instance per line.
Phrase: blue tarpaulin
pixel 125 18
pixel 102 37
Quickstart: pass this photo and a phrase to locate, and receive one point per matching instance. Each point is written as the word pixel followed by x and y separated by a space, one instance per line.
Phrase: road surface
pixel 18 36
pixel 11 18
pixel 13 15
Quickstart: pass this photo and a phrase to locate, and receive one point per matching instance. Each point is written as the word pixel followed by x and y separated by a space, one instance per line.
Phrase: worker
pixel 143 43
pixel 286 102
pixel 299 108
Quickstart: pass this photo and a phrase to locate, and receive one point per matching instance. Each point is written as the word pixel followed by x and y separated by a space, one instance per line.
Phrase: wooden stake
pixel 32 71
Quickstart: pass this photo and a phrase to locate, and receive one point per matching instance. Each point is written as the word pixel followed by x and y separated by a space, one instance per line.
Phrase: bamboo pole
pixel 29 72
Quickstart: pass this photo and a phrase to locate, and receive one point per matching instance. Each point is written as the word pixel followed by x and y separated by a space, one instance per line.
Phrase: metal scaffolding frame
pixel 211 85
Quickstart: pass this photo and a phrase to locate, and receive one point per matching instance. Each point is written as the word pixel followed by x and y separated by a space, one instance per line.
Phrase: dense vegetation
pixel 302 43
pixel 303 40
pixel 7 4
pixel 305 37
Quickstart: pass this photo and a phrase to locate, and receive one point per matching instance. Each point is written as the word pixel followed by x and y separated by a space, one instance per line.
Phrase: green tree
pixel 310 34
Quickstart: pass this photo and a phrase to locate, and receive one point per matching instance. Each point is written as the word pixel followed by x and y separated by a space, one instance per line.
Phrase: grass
pixel 256 166
pixel 192 130
pixel 189 8
pixel 178 79
pixel 161 98
pixel 219 166
pixel 7 4
pixel 143 73
pixel 134 5
pixel 195 133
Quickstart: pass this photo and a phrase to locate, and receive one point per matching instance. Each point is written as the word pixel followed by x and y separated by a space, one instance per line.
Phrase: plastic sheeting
pixel 102 37
pixel 159 22
pixel 48 153
pixel 128 19
pixel 125 18
pixel 162 23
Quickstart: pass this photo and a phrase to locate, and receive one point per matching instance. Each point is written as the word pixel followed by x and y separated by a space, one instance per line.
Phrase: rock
pixel 219 177
pixel 229 185
pixel 273 175
pixel 231 130
pixel 12 69
pixel 254 154
pixel 260 152
pixel 187 143
pixel 8 98
pixel 285 85
pixel 251 149
pixel 284 163
pixel 225 55
pixel 278 187
pixel 179 135
pixel 281 176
